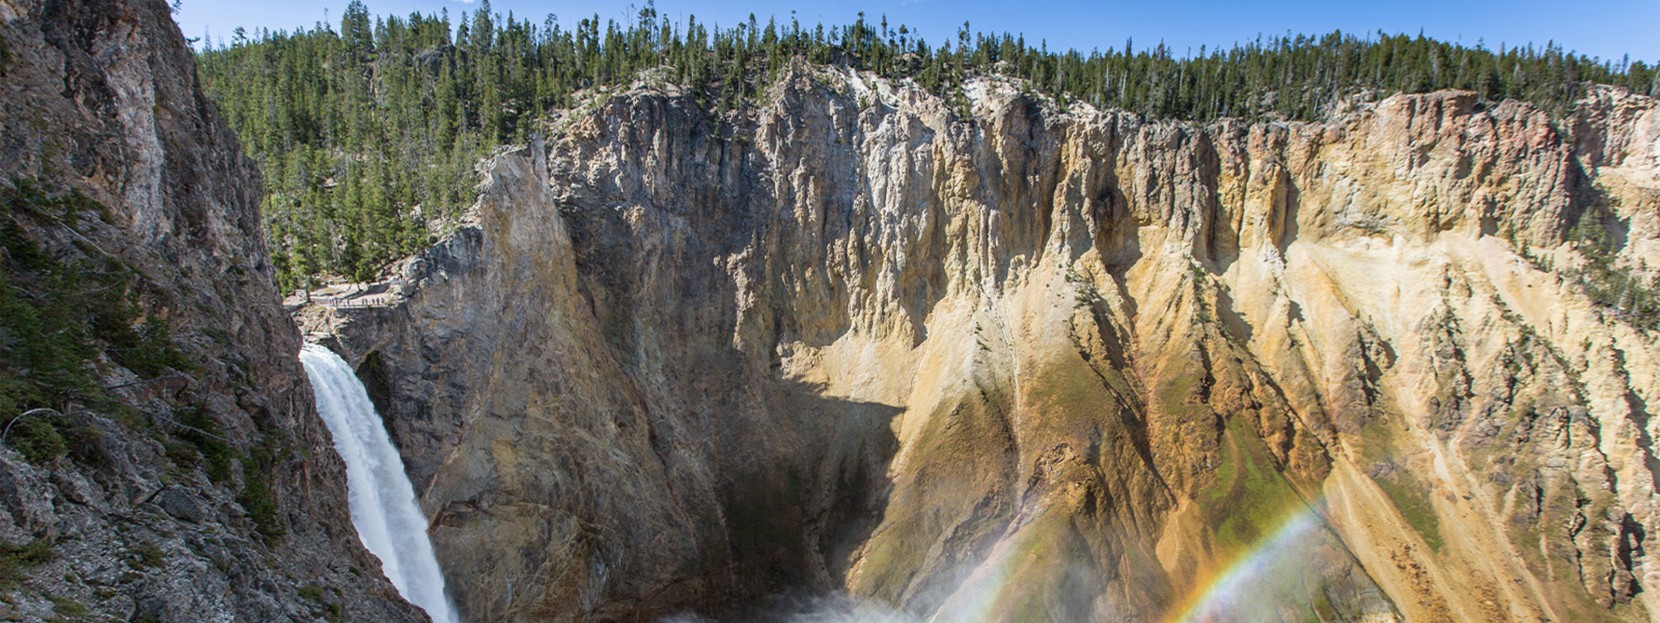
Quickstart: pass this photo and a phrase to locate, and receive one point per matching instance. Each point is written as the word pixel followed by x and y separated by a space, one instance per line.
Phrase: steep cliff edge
pixel 1041 363
pixel 171 466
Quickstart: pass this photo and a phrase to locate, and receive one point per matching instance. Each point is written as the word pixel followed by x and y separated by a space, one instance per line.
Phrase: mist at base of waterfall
pixel 805 608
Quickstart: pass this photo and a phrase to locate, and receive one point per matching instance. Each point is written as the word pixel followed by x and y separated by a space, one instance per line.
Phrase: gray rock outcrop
pixel 99 98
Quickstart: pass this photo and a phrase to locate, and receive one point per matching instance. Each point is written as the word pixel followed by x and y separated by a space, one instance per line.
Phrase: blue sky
pixel 1605 28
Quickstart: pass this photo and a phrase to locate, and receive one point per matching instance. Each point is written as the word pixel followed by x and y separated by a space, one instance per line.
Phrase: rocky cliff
pixel 1038 363
pixel 200 486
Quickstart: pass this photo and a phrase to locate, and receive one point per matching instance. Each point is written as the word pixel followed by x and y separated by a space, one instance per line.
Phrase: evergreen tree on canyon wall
pixel 367 135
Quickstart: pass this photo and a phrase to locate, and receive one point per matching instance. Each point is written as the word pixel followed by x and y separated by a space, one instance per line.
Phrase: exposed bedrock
pixel 1040 363
pixel 205 489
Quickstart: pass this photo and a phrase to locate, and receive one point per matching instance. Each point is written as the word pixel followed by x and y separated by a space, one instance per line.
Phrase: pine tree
pixel 358 129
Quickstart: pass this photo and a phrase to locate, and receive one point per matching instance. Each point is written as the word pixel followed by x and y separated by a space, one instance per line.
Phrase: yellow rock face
pixel 1040 364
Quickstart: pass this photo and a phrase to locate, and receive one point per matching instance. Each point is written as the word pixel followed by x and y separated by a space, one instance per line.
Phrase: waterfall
pixel 382 501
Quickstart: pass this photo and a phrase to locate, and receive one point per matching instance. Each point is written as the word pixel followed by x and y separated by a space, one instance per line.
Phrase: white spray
pixel 382 501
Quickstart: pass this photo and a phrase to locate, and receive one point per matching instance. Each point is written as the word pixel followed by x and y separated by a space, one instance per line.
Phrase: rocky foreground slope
pixel 1037 364
pixel 205 489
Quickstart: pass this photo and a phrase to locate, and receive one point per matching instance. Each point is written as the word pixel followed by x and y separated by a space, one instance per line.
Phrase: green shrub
pixel 257 496
pixel 202 431
pixel 43 435
pixel 1412 497
pixel 5 55
pixel 261 504
pixel 181 454
pixel 150 556
pixel 1629 294
pixel 312 592
pixel 37 438
pixel 15 559
pixel 85 442
pixel 316 594
pixel 68 607
pixel 61 307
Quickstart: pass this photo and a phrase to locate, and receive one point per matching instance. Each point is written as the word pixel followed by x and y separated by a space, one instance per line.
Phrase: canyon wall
pixel 1039 362
pixel 203 490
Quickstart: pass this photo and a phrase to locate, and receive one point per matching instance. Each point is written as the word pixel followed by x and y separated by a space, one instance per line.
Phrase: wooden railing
pixel 355 302
pixel 356 296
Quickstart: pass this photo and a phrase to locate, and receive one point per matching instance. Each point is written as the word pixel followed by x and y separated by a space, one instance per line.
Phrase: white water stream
pixel 383 505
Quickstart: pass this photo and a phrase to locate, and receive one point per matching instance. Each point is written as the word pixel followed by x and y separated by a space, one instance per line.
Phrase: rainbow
pixel 1276 578
pixel 1264 580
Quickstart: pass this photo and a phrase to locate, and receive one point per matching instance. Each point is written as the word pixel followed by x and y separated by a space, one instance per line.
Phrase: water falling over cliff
pixel 382 499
